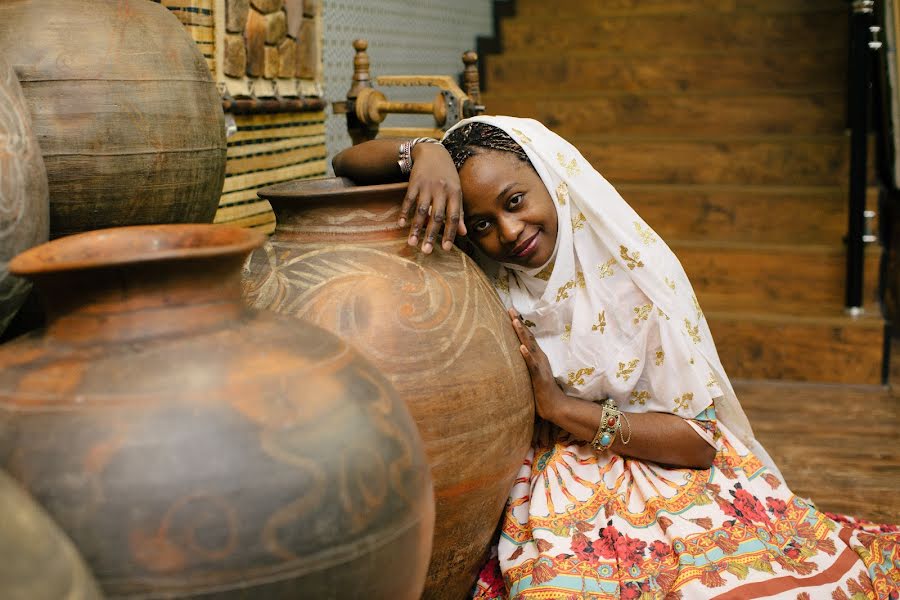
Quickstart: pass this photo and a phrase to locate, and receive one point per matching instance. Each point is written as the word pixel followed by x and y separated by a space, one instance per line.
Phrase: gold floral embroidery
pixel 546 272
pixel 502 284
pixel 697 306
pixel 693 331
pixel 625 371
pixel 683 402
pixel 606 269
pixel 641 313
pixel 577 377
pixel 571 167
pixel 521 135
pixel 528 323
pixel 633 260
pixel 601 322
pixel 691 361
pixel 562 192
pixel 567 334
pixel 639 397
pixel 712 381
pixel 578 222
pixel 563 291
pixel 646 234
pixel 660 357
pixel 662 314
pixel 670 283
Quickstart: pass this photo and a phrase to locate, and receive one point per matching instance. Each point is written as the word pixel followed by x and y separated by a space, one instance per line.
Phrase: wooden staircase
pixel 722 122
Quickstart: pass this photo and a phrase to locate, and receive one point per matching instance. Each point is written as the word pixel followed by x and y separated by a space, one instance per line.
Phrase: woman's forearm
pixel 657 437
pixel 371 162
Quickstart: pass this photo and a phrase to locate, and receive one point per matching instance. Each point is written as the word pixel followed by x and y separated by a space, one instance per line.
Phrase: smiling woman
pixel 644 478
pixel 509 213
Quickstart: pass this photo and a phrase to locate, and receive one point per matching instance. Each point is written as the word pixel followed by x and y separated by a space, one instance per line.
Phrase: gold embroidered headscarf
pixel 613 309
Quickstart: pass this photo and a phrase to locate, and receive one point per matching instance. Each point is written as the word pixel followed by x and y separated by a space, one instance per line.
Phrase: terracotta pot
pixel 23 191
pixel 39 561
pixel 191 446
pixel 433 324
pixel 126 111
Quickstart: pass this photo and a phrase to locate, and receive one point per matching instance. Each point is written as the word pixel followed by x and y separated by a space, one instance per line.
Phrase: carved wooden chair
pixel 366 107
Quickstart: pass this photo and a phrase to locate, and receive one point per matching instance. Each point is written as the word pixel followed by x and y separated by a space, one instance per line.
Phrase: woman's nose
pixel 509 229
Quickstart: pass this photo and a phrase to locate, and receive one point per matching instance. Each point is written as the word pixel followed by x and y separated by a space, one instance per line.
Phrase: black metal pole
pixel 862 17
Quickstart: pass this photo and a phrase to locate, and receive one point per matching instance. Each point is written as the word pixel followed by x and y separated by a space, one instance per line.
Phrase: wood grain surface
pixel 835 444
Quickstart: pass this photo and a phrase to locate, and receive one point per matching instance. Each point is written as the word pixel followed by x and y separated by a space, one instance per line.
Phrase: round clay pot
pixel 433 324
pixel 193 447
pixel 39 561
pixel 23 191
pixel 128 117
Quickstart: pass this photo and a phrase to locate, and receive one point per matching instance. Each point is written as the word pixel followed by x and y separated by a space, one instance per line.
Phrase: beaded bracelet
pixel 610 425
pixel 406 147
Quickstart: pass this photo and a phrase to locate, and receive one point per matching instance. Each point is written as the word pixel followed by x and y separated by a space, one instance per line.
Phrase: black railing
pixel 859 82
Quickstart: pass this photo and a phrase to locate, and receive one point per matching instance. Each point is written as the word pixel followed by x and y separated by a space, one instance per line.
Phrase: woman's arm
pixel 433 191
pixel 657 437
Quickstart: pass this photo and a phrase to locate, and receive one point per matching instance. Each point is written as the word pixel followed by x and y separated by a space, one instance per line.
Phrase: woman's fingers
pixel 423 203
pixel 408 203
pixel 454 218
pixel 438 205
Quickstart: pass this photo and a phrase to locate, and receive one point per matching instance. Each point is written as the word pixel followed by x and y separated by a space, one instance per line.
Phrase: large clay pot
pixel 433 324
pixel 39 561
pixel 23 191
pixel 125 109
pixel 191 446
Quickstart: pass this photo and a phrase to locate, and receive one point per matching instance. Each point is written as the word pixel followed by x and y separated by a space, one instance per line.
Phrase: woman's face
pixel 509 214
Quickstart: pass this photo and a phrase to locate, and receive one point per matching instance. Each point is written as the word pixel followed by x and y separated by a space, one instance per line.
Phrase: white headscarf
pixel 613 309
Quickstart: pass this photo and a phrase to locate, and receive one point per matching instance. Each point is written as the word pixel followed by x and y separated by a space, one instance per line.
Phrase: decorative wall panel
pixel 266 56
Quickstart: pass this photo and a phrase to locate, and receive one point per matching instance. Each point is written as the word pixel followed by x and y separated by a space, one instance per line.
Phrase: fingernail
pixel 402 222
pixel 448 245
pixel 426 247
pixel 413 240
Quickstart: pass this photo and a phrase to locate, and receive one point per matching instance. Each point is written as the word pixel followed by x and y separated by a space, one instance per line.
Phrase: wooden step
pixel 834 349
pixel 674 33
pixel 760 214
pixel 754 71
pixel 786 278
pixel 542 8
pixel 687 114
pixel 724 161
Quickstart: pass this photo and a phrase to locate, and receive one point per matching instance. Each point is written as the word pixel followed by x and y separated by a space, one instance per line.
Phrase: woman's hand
pixel 433 199
pixel 548 396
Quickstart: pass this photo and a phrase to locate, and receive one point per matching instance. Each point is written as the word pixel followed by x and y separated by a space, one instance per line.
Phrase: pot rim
pixel 134 245
pixel 294 190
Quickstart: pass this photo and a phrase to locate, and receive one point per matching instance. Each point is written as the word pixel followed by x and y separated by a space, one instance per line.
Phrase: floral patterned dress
pixel 583 525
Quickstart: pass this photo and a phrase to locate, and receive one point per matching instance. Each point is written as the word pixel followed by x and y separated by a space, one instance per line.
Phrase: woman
pixel 645 480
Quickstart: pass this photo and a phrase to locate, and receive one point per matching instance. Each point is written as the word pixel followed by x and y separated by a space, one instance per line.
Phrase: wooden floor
pixel 835 444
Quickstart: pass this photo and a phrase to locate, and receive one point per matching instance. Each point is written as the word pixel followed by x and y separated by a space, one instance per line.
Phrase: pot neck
pixel 139 301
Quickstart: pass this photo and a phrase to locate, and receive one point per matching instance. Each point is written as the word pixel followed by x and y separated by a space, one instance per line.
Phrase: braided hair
pixel 473 138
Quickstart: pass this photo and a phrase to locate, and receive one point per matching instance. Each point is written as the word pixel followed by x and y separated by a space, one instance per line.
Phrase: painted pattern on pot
pixel 191 446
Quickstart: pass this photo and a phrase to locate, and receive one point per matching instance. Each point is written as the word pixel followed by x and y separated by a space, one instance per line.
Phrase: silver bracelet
pixel 406 147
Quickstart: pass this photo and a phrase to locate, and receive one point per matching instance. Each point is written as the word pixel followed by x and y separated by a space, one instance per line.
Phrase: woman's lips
pixel 526 248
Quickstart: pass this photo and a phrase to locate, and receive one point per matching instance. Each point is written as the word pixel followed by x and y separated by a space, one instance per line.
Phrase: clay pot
pixel 191 446
pixel 23 191
pixel 433 324
pixel 125 109
pixel 39 561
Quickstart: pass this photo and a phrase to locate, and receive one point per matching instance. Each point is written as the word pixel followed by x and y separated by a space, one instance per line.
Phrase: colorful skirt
pixel 583 525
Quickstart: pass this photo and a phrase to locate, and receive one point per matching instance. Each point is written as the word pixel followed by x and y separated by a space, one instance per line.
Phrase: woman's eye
pixel 481 226
pixel 515 201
